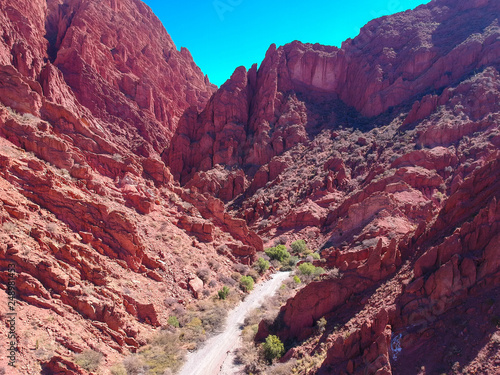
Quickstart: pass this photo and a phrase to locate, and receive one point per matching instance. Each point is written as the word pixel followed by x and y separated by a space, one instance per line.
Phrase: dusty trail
pixel 215 357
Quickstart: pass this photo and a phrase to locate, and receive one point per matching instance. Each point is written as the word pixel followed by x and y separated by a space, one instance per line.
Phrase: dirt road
pixel 215 357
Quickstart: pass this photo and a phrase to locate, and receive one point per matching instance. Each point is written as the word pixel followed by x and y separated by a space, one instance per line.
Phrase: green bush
pixel 296 279
pixel 316 256
pixel 89 360
pixel 224 292
pixel 273 348
pixel 262 265
pixel 319 271
pixel 292 261
pixel 173 321
pixel 278 252
pixel 289 263
pixel 246 283
pixel 299 246
pixel 307 269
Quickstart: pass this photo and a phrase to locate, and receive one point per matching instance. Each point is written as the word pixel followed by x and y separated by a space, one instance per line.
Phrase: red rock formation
pixel 382 154
pixel 257 115
pixel 134 79
pixel 457 259
pixel 88 214
pixel 60 366
pixel 367 350
pixel 412 211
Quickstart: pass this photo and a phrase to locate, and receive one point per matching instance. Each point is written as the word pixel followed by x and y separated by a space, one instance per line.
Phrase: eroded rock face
pixel 259 114
pixel 382 155
pixel 410 206
pixel 123 66
pixel 90 94
pixel 455 263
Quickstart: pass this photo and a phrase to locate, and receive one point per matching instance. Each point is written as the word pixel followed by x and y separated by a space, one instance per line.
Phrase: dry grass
pixel 203 274
pixel 282 368
pixel 166 349
pixel 89 360
pixel 308 363
pixel 118 369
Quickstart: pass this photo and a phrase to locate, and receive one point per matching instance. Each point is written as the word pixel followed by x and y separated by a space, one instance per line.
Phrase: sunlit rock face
pixel 123 171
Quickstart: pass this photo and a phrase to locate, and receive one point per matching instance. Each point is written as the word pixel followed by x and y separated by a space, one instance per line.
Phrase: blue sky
pixel 224 34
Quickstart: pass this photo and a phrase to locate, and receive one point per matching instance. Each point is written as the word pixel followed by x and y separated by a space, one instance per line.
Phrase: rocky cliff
pixel 123 172
pixel 99 232
pixel 384 155
pixel 395 61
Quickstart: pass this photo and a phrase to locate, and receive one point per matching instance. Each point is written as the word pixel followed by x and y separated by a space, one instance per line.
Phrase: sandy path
pixel 213 358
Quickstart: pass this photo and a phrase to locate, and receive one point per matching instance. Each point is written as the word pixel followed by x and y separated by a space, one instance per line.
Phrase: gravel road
pixel 216 356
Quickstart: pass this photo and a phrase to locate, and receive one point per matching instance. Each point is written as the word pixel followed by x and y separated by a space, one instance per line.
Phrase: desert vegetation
pixel 262 265
pixel 257 357
pixel 299 257
pixel 273 348
pixel 89 360
pixel 246 283
pixel 278 252
pixel 262 357
pixel 188 327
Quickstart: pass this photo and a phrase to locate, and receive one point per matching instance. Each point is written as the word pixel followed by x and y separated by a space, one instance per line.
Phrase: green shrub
pixel 289 263
pixel 299 246
pixel 319 271
pixel 316 256
pixel 224 292
pixel 307 269
pixel 278 252
pixel 273 348
pixel 262 265
pixel 246 283
pixel 173 321
pixel 292 261
pixel 296 279
pixel 89 360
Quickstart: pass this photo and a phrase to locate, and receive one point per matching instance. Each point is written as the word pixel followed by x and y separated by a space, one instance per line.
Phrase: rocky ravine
pixel 123 171
pixel 98 230
pixel 215 356
pixel 384 154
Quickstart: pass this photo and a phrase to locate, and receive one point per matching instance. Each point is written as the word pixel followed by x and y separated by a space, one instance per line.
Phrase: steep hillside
pixel 129 185
pixel 98 231
pixel 384 155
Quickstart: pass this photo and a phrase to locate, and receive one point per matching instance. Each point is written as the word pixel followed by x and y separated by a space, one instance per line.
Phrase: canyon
pixel 124 172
